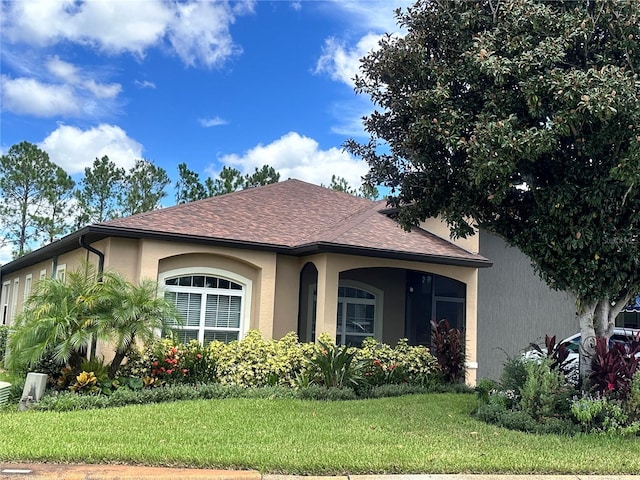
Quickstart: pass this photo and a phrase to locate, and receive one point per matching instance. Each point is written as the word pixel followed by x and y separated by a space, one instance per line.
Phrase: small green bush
pixel 514 374
pixel 518 420
pixel 632 405
pixel 335 366
pixel 484 388
pixel 600 414
pixel 545 393
pixel 4 332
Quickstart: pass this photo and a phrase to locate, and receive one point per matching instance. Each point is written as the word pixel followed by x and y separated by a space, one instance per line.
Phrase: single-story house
pixel 290 256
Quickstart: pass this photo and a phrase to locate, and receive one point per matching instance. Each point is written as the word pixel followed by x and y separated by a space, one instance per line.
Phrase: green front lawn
pixel 431 433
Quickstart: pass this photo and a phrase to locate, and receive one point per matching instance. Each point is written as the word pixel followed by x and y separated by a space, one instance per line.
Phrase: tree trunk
pixel 116 362
pixel 585 315
pixel 596 319
pixel 120 355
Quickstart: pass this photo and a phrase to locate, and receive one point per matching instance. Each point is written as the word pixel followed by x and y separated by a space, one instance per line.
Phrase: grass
pixel 431 433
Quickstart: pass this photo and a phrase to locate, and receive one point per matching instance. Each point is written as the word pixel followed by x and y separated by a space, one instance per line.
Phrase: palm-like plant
pixel 58 319
pixel 127 313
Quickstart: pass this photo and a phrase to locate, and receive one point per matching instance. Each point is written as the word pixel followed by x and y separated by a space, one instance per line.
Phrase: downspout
pixel 85 245
pixel 100 255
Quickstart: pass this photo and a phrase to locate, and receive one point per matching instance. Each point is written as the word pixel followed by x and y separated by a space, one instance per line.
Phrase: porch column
pixel 327 303
pixel 471 328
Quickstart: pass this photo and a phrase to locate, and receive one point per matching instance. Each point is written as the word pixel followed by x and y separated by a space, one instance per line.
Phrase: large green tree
pixel 145 186
pixel 520 117
pixel 231 179
pixel 341 184
pixel 27 180
pixel 56 219
pixel 188 187
pixel 263 176
pixel 99 192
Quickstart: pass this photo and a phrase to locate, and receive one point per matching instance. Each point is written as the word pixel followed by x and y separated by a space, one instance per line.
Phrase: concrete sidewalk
pixel 47 471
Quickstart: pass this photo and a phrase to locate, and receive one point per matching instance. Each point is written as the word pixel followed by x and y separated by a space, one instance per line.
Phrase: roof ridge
pixel 349 222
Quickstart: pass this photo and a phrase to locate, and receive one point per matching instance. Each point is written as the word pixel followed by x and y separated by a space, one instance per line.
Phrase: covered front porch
pixel 351 298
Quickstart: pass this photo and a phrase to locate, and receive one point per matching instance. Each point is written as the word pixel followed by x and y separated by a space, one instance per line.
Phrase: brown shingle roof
pixel 296 215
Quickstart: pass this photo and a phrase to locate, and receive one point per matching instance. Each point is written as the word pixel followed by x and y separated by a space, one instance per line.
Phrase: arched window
pixel 211 302
pixel 359 313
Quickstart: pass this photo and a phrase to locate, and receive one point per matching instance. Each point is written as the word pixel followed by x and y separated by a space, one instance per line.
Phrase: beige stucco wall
pixel 286 302
pixel 438 227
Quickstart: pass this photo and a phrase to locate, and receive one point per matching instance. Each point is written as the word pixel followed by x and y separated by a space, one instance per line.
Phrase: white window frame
pixel 61 272
pixel 28 283
pixel 378 302
pixel 14 299
pixel 244 294
pixel 6 289
pixel 43 274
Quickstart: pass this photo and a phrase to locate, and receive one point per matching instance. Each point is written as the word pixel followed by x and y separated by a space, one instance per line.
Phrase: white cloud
pixel 198 31
pixel 212 122
pixel 58 89
pixel 376 15
pixel 342 63
pixel 74 149
pixel 111 26
pixel 145 84
pixel 72 75
pixel 297 156
pixel 31 97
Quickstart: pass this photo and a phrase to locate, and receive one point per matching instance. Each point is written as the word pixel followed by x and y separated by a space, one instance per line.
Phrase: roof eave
pixel 324 247
pixel 98 232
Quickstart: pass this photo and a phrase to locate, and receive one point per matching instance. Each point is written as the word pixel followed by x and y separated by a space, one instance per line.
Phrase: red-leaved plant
pixel 448 346
pixel 614 367
pixel 558 354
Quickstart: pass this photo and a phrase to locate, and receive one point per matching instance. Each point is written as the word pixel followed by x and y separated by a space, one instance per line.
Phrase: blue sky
pixel 207 83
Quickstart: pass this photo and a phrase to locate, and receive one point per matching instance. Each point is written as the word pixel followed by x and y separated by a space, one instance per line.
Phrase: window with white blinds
pixel 210 307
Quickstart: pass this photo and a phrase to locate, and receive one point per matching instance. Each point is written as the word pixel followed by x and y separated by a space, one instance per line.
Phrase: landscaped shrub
pixel 484 388
pixel 318 392
pixel 603 415
pixel 449 350
pixel 401 364
pixel 545 393
pixel 256 362
pixel 613 369
pixel 540 391
pixel 632 404
pixel 514 375
pixel 4 332
pixel 256 367
pixel 335 366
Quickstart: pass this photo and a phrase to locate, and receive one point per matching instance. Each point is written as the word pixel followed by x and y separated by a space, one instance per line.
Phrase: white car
pixel 621 336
